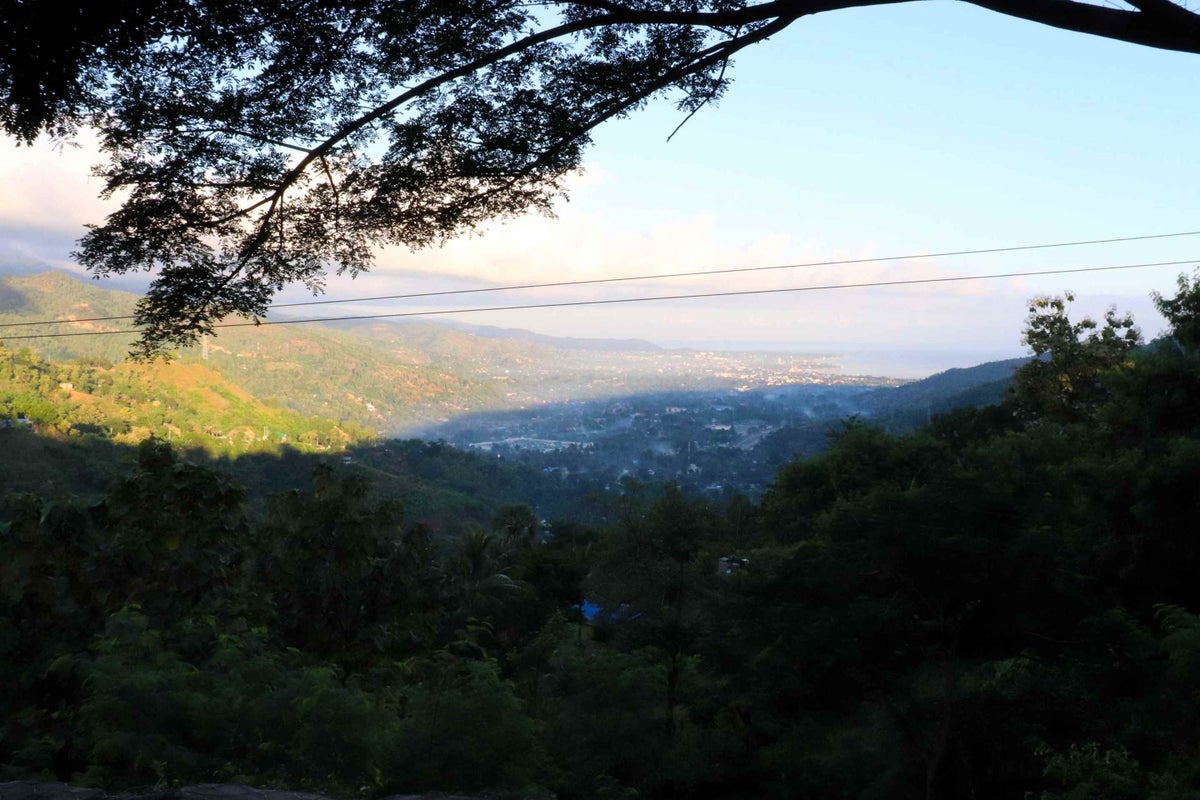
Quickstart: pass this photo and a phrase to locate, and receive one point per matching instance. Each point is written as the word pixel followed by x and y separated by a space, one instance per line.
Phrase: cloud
pixel 50 186
pixel 583 242
pixel 49 194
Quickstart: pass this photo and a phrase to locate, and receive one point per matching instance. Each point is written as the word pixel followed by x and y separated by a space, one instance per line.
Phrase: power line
pixel 616 300
pixel 695 274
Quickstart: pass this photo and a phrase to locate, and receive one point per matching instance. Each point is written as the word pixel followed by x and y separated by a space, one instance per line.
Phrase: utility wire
pixel 696 274
pixel 613 301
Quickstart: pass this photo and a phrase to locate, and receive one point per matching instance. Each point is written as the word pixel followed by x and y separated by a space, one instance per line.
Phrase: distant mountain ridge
pixel 395 378
pixel 401 378
pixel 61 296
pixel 559 342
pixel 327 389
pixel 907 406
pixel 315 370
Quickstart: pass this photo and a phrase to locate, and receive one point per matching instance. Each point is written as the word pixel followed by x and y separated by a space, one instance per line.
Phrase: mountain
pixel 69 428
pixel 77 306
pixel 699 418
pixel 910 405
pixel 558 342
pixel 397 379
pixel 182 401
pixel 312 369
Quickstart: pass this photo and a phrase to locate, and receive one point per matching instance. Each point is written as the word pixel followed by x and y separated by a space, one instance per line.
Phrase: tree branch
pixel 707 98
pixel 337 200
pixel 1154 26
pixel 1155 23
pixel 788 10
pixel 248 135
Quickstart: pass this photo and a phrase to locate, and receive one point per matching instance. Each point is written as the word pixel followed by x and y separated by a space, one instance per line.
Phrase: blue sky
pixel 899 129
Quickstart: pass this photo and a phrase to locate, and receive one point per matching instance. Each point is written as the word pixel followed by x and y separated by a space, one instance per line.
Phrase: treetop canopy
pixel 259 144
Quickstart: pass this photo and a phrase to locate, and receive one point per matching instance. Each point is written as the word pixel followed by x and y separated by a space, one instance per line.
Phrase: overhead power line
pixel 693 274
pixel 617 300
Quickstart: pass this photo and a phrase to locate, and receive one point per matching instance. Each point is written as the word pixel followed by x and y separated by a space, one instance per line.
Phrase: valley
pixel 597 556
pixel 586 413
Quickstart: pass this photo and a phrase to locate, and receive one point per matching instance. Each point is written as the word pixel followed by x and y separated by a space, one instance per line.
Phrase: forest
pixel 1000 604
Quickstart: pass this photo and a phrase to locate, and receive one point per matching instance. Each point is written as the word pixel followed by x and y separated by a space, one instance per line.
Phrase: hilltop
pixel 913 404
pixel 399 379
pixel 590 411
pixel 311 369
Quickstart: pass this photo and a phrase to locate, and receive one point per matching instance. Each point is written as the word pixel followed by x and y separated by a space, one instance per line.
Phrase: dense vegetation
pixel 315 370
pixel 393 378
pixel 129 402
pixel 1000 604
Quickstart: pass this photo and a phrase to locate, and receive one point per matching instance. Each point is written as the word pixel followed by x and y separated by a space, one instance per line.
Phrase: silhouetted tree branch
pixel 258 144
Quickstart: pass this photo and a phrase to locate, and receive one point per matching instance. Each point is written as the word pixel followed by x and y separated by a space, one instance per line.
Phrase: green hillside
pixel 312 369
pixel 1000 604
pixel 69 427
pixel 65 424
pixel 903 408
pixel 59 296
pixel 187 403
pixel 396 379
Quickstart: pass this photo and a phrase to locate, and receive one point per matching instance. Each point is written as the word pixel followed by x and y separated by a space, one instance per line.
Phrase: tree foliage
pixel 257 144
pixel 1002 604
pixel 1071 359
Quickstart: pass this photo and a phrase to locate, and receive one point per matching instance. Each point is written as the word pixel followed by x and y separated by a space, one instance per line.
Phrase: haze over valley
pixel 589 412
pixel 408 377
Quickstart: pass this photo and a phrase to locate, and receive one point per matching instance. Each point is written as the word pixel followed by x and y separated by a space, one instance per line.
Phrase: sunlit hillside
pixel 395 379
pixel 312 369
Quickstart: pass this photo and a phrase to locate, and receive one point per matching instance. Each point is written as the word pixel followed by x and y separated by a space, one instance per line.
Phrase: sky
pixel 896 130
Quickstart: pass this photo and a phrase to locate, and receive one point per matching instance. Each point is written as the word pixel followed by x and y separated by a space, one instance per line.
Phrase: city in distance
pixel 590 410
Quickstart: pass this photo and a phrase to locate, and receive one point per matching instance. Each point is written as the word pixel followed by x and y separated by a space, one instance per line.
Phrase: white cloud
pixel 583 243
pixel 48 194
pixel 50 186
